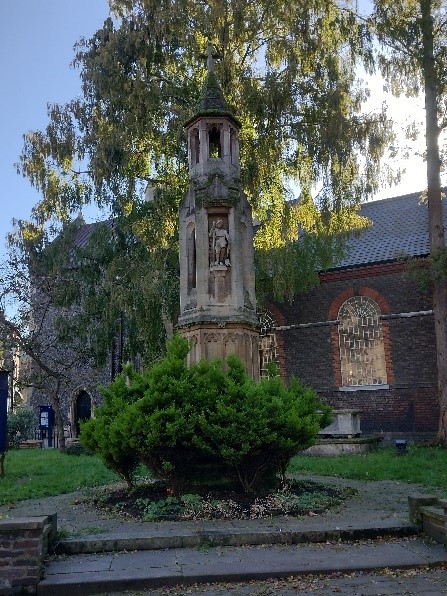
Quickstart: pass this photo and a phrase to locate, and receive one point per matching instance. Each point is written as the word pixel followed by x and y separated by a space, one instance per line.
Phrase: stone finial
pixel 210 56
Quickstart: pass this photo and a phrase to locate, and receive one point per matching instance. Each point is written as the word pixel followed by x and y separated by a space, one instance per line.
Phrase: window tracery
pixel 362 353
pixel 268 347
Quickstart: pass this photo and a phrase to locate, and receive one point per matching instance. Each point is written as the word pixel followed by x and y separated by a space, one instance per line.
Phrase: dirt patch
pixel 149 502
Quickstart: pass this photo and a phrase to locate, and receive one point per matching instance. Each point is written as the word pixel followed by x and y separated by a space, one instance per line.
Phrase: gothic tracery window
pixel 362 353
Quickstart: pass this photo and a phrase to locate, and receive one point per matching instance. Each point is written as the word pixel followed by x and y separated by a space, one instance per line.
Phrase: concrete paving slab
pixel 85 564
pixel 413 582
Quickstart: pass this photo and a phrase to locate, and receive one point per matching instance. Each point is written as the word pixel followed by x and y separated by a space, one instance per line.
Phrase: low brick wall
pixel 24 544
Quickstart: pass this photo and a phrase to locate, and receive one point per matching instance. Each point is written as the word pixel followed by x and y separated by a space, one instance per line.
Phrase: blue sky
pixel 36 48
pixel 36 43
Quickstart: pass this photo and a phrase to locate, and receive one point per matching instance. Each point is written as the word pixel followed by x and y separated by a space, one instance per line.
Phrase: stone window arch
pixel 361 343
pixel 81 409
pixel 195 146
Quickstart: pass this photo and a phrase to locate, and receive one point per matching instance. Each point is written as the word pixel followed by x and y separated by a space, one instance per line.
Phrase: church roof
pixel 399 227
pixel 84 232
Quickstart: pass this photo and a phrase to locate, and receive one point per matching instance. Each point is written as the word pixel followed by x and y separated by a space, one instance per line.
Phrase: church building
pixel 364 338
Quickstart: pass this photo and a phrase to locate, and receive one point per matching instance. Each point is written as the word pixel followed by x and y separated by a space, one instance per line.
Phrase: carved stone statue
pixel 220 244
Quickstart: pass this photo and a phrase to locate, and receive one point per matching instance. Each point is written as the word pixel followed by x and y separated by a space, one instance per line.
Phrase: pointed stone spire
pixel 212 101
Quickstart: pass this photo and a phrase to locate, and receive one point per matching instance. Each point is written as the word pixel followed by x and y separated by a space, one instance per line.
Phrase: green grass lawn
pixel 34 473
pixel 421 465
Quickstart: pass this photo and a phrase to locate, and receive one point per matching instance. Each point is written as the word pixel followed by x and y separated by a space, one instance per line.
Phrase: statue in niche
pixel 220 244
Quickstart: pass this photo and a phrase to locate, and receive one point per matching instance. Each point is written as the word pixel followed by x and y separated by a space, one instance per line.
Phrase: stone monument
pixel 217 279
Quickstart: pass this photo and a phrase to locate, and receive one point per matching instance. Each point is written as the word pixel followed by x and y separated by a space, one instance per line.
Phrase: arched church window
pixel 215 143
pixel 191 257
pixel 268 347
pixel 362 353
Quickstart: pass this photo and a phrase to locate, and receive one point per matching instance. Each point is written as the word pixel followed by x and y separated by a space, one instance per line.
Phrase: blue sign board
pixel 3 409
pixel 46 421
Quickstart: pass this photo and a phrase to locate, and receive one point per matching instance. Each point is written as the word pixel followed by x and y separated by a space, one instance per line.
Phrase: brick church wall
pixel 309 336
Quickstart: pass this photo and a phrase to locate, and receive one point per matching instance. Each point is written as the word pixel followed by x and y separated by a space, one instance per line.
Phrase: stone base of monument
pixel 343 436
pixel 220 339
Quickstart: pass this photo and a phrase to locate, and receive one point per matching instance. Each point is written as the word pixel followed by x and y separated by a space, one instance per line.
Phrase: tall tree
pixel 31 319
pixel 413 57
pixel 288 73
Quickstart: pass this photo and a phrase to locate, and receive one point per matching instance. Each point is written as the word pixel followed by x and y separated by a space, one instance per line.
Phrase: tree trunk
pixel 58 416
pixel 435 215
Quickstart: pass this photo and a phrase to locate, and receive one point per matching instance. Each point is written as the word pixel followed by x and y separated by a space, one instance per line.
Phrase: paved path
pixel 410 582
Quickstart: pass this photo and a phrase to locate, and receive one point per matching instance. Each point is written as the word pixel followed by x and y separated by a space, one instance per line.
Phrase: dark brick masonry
pixel 309 348
pixel 24 544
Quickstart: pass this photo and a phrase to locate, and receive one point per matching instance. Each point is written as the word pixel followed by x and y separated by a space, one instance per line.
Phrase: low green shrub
pixel 181 421
pixel 77 450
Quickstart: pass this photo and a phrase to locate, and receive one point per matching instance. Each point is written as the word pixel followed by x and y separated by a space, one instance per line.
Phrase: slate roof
pixel 83 234
pixel 400 226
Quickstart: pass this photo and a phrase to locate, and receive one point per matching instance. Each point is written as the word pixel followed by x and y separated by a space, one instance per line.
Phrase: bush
pixel 183 423
pixel 21 425
pixel 104 434
pixel 77 450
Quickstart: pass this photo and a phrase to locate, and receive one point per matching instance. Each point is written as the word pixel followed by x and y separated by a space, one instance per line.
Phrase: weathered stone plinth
pixel 343 436
pixel 334 447
pixel 346 423
pixel 211 340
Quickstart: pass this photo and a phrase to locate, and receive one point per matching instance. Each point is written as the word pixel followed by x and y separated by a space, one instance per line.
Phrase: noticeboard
pixel 3 410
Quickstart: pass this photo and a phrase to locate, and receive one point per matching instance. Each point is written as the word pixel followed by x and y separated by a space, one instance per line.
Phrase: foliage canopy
pixel 288 74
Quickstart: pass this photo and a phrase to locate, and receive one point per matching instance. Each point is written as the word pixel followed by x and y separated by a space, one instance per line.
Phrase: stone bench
pixel 31 444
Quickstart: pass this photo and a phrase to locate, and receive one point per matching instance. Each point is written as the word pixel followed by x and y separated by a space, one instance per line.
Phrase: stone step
pixel 237 535
pixel 152 569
